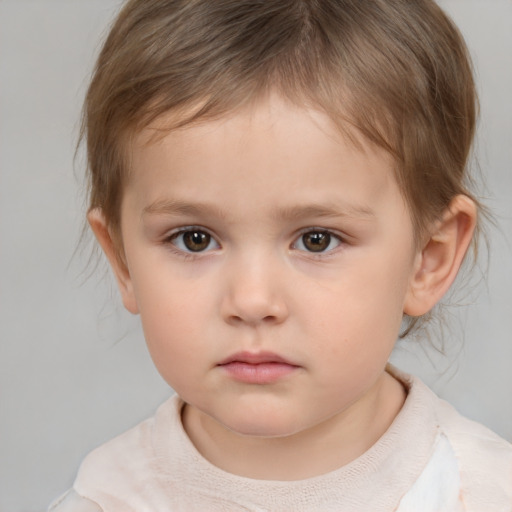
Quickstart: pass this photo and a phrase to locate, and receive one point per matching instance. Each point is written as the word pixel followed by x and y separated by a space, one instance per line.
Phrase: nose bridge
pixel 255 292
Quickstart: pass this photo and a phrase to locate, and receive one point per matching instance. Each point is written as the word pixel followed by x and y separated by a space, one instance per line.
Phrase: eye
pixel 193 240
pixel 317 241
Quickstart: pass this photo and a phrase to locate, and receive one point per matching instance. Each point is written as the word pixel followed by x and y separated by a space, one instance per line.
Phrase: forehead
pixel 271 108
pixel 272 150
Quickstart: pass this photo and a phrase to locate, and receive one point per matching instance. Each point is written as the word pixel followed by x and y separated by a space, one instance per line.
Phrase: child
pixel 279 186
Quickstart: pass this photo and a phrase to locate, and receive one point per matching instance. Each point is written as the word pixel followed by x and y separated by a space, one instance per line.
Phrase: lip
pixel 257 367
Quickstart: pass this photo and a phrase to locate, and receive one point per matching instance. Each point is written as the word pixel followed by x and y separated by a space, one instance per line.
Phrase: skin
pixel 254 184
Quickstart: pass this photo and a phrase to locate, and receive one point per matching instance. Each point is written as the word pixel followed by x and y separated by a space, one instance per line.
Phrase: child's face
pixel 270 261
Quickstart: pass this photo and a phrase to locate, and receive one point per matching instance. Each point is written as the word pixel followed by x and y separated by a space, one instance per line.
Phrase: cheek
pixel 362 309
pixel 173 318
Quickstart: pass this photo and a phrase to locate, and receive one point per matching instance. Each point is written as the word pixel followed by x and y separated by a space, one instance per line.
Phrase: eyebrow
pixel 328 210
pixel 177 207
pixel 292 213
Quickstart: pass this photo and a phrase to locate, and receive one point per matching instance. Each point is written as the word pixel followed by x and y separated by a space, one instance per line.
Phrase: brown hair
pixel 395 71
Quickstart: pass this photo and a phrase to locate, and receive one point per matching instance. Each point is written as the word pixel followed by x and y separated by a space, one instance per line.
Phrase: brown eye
pixel 195 240
pixel 316 241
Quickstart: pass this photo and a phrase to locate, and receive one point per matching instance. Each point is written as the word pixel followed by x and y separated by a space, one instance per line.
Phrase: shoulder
pixel 122 456
pixel 71 501
pixel 484 459
pixel 123 471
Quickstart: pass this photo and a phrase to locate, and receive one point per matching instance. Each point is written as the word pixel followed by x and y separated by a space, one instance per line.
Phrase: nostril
pixel 249 317
pixel 248 320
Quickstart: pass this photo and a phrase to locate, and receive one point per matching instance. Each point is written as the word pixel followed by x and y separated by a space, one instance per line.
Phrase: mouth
pixel 257 368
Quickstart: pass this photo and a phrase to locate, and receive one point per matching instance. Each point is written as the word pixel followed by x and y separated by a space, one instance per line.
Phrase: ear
pixel 99 226
pixel 440 259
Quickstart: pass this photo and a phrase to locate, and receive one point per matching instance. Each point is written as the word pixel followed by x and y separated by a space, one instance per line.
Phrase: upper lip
pixel 255 358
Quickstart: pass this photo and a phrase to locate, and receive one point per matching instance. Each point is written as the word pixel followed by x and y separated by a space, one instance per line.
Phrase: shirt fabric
pixel 431 459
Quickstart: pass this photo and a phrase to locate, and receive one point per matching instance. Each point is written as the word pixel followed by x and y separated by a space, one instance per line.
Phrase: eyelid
pixel 333 233
pixel 172 235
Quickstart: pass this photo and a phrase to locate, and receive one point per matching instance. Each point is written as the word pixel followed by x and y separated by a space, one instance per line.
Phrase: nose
pixel 254 295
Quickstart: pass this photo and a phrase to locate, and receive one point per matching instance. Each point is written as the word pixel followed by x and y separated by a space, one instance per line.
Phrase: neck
pixel 325 447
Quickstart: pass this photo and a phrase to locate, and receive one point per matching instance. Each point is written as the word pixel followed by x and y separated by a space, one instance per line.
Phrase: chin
pixel 262 426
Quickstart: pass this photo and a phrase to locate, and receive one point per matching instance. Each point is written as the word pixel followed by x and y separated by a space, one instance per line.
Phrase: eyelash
pixel 170 240
pixel 188 254
pixel 322 231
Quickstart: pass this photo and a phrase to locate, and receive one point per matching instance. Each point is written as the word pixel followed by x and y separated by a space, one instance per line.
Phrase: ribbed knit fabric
pixel 431 459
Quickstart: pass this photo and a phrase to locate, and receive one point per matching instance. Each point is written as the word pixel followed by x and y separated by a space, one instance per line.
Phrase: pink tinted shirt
pixel 431 459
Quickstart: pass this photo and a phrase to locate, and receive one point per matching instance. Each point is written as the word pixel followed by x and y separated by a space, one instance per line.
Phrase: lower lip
pixel 261 373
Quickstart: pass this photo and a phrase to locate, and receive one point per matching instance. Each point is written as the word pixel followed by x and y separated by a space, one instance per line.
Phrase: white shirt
pixel 431 459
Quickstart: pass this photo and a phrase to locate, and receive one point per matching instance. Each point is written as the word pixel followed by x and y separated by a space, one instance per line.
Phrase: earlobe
pixel 119 267
pixel 438 262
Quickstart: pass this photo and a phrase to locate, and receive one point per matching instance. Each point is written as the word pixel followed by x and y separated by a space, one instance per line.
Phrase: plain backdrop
pixel 74 370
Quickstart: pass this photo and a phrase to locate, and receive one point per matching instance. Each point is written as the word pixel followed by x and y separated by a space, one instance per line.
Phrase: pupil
pixel 196 240
pixel 316 242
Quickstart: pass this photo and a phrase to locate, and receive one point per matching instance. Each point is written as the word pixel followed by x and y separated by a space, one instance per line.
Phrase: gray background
pixel 73 366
